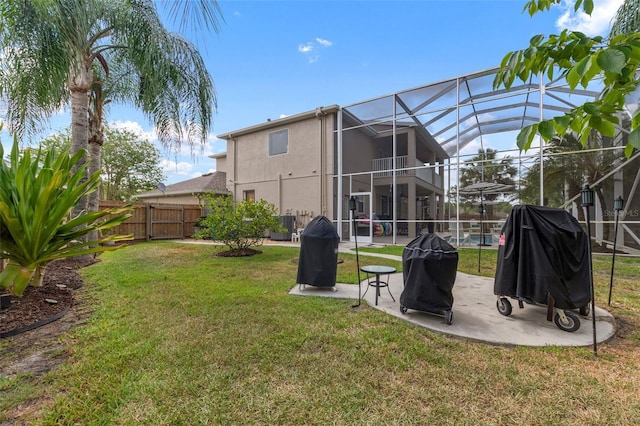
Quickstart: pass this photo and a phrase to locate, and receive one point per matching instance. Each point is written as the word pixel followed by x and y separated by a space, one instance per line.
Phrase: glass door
pixel 361 220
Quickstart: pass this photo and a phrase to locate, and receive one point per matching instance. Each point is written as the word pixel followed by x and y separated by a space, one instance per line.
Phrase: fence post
pixel 149 221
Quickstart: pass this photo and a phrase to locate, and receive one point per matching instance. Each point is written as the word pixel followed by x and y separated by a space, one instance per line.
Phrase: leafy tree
pixel 579 60
pixel 37 194
pixel 239 225
pixel 130 165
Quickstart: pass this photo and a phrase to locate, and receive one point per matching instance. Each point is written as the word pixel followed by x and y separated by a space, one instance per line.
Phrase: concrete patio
pixel 475 315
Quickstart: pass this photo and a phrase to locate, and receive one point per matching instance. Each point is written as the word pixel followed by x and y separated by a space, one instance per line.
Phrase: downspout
pixel 321 115
pixel 235 167
pixel 280 193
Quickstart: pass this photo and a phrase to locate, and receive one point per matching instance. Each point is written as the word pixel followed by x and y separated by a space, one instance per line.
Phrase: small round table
pixel 378 270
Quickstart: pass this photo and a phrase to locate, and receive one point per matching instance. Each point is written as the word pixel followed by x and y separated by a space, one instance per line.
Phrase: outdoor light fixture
pixel 352 207
pixel 587 197
pixel 587 201
pixel 352 204
pixel 618 205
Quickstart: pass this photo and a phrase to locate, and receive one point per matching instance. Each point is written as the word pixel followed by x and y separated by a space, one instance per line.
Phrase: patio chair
pixel 295 236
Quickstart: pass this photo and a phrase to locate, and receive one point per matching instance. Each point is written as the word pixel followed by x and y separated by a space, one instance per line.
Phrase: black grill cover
pixel 318 262
pixel 543 250
pixel 429 266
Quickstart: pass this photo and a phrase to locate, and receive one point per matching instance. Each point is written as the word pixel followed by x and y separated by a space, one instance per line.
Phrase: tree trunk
pixel 96 139
pixel 79 85
pixel 38 276
pixel 79 135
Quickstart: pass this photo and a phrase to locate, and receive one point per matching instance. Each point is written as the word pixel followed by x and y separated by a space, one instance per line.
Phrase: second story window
pixel 278 142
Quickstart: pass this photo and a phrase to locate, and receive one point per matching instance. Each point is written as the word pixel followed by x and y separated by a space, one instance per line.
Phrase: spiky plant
pixel 37 193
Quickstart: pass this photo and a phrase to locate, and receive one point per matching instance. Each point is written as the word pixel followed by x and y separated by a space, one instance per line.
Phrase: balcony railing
pixel 386 164
pixel 383 167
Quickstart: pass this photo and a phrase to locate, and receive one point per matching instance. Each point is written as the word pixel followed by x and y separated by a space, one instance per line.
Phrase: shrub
pixel 239 225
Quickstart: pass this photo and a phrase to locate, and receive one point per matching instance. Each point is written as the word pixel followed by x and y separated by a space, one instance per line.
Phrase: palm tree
pixel 486 167
pixel 60 51
pixel 567 166
pixel 564 173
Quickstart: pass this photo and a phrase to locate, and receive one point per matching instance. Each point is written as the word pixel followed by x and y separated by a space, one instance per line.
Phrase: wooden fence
pixel 157 221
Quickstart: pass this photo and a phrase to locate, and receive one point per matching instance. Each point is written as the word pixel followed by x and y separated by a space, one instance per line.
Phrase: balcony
pixel 383 167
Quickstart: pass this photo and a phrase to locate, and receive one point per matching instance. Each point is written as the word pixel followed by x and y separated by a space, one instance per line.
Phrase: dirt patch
pixel 41 303
pixel 238 252
pixel 38 350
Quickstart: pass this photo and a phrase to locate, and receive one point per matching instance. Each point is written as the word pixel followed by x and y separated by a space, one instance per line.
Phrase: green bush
pixel 238 225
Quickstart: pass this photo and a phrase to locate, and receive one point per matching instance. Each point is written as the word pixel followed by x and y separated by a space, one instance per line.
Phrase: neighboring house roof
pixel 215 181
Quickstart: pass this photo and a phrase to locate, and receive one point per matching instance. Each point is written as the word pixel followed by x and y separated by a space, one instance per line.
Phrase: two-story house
pixel 306 167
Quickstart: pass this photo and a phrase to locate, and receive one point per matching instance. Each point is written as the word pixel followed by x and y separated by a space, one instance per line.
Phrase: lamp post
pixel 618 204
pixel 481 211
pixel 352 207
pixel 587 202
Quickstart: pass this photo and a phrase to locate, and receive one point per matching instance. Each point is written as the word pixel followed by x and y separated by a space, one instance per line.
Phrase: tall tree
pixel 566 169
pixel 487 167
pixel 130 164
pixel 59 51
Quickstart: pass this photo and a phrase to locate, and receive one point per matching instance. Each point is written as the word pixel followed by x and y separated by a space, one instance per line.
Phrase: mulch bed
pixel 60 280
pixel 238 252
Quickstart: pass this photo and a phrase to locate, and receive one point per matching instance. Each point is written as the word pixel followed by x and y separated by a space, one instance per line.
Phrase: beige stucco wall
pixel 221 164
pixel 296 182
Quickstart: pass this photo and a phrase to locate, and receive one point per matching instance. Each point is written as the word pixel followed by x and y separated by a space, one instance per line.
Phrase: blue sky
pixel 274 58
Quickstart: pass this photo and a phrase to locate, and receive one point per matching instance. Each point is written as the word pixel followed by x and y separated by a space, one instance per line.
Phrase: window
pixel 249 195
pixel 278 142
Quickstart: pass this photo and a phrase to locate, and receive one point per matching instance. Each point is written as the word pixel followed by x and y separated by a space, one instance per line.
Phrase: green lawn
pixel 180 337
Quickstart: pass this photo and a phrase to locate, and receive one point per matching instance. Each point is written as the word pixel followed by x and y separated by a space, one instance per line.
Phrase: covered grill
pixel 429 266
pixel 318 261
pixel 543 258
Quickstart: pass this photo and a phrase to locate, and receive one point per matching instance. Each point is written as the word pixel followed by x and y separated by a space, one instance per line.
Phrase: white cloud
pixel 305 48
pixel 309 48
pixel 599 23
pixel 135 127
pixel 176 171
pixel 181 168
pixel 199 173
pixel 471 148
pixel 323 42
